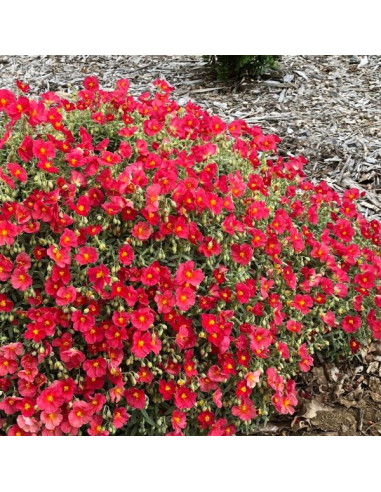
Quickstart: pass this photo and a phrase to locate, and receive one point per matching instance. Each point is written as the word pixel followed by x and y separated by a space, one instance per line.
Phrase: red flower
pixel 126 254
pixel 294 326
pixel 99 276
pixel 205 419
pixel 6 305
pixel 91 83
pixel 186 274
pixel 96 428
pixel 141 344
pixel 167 389
pixel 150 276
pixel 86 255
pixel 82 207
pixel 210 247
pixel 306 360
pixel 135 398
pixel 185 398
pixel 242 253
pixel 22 86
pixel 115 336
pixel 344 230
pixel 43 151
pixel 8 232
pixel 365 279
pixel 354 345
pixel 50 399
pixel 350 324
pixel 17 171
pixel 185 298
pixel 6 98
pixel 152 127
pixel 302 303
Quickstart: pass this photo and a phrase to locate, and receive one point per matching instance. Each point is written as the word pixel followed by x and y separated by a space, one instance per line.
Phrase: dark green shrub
pixel 234 66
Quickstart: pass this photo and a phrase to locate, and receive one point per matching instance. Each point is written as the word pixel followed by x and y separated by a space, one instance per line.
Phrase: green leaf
pixel 147 418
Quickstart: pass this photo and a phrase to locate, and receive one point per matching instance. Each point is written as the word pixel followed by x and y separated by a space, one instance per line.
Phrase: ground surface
pixel 327 108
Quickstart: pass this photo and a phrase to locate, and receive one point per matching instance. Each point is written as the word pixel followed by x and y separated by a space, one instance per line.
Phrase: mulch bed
pixel 327 108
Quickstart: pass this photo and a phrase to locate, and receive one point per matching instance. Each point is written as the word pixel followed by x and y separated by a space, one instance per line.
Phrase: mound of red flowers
pixel 163 272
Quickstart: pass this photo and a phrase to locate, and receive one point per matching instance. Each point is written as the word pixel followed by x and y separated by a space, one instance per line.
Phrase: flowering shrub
pixel 163 272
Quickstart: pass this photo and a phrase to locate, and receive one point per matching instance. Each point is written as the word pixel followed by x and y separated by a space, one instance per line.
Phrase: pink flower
pixel 86 255
pixel 152 197
pixel 120 417
pixel 7 366
pixel 245 411
pixel 6 267
pixel 66 295
pixel 217 398
pixel 60 256
pixel 142 231
pixel 68 239
pixel 21 280
pixel 80 414
pixel 306 360
pixel 142 318
pixel 72 358
pixel 165 301
pixel 252 378
pixel 179 420
pixel 95 368
pixel 329 318
pixel 51 420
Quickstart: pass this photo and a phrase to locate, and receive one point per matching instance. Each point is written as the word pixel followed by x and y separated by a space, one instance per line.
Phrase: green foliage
pixel 235 66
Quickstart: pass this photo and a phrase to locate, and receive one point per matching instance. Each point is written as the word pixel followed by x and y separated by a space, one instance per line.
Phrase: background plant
pixel 235 66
